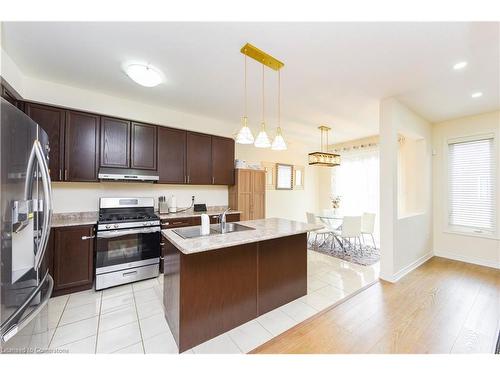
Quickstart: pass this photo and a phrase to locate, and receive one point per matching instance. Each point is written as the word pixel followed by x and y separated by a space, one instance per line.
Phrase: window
pixel 471 185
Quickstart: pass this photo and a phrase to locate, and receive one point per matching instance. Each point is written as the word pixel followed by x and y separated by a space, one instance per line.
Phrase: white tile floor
pixel 129 318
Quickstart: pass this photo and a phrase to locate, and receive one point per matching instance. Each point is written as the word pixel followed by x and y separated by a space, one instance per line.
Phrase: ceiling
pixel 335 73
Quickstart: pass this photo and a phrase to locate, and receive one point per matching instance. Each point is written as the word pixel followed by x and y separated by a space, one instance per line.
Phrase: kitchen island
pixel 215 283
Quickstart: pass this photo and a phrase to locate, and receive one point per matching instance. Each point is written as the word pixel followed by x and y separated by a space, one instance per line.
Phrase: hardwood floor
pixel 444 306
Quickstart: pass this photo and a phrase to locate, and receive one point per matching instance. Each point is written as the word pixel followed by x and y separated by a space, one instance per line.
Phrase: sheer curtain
pixel 356 181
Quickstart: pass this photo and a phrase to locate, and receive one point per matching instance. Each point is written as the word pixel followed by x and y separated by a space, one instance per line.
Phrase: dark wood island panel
pixel 282 271
pixel 211 292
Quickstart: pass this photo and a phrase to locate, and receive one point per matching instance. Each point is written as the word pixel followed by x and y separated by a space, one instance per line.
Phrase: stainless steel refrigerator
pixel 26 209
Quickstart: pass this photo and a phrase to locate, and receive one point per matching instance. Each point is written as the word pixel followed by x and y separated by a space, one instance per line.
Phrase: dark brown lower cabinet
pixel 211 292
pixel 72 258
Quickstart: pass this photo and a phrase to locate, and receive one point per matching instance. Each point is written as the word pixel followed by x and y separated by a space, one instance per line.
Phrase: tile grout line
pixel 138 321
pixel 98 324
pixel 58 321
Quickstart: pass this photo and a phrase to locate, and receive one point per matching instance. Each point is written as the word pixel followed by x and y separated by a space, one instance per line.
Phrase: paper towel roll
pixel 205 224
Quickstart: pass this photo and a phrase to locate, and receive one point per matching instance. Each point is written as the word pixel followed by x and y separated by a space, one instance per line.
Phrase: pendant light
pixel 324 158
pixel 279 143
pixel 262 140
pixel 245 136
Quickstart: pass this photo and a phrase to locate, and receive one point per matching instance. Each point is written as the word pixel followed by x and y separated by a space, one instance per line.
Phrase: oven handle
pixel 125 232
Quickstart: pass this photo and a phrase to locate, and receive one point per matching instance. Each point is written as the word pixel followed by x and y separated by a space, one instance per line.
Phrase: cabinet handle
pixel 162 243
pixel 88 237
pixel 188 179
pixel 213 180
pixel 129 273
pixel 60 174
pixel 66 175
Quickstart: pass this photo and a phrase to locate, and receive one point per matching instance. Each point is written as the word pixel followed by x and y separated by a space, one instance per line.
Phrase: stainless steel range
pixel 128 241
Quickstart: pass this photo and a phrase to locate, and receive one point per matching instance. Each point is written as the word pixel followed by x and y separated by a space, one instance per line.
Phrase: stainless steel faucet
pixel 222 220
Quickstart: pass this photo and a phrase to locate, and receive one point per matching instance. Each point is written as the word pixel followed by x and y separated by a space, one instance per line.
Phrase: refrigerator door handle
pixel 47 202
pixel 7 333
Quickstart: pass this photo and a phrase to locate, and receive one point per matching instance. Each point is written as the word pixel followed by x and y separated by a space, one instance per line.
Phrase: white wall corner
pixel 406 270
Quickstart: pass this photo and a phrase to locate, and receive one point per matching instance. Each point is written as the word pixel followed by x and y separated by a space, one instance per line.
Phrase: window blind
pixel 471 180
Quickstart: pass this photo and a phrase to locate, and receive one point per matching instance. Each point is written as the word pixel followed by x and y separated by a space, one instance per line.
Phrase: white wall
pixel 469 248
pixel 292 204
pixel 70 197
pixel 405 241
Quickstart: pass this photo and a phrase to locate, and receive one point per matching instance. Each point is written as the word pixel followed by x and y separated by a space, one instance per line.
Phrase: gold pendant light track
pixel 262 57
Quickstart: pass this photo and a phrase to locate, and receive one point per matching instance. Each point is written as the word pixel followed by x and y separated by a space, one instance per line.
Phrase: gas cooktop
pixel 126 216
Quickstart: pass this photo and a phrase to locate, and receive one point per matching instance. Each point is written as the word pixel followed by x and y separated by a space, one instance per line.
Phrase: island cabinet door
pixel 218 292
pixel 282 271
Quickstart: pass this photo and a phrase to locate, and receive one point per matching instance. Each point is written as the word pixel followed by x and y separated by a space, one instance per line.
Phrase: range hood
pixel 121 174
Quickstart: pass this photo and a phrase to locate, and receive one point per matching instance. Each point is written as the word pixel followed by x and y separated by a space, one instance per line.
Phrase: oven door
pixel 127 247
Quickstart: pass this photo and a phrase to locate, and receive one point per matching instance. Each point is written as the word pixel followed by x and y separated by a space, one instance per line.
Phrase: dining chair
pixel 351 229
pixel 311 219
pixel 368 226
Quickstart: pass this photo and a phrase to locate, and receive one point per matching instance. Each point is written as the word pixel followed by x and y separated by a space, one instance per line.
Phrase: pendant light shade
pixel 262 140
pixel 244 136
pixel 279 143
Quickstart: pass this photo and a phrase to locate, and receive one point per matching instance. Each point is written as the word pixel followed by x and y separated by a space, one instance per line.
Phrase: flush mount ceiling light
pixel 460 65
pixel 477 95
pixel 144 75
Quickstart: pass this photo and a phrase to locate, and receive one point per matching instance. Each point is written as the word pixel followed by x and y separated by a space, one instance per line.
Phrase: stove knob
pixel 145 224
pixel 108 226
pixel 116 226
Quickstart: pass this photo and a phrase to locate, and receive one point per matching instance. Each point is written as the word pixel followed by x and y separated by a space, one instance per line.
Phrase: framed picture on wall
pixel 284 177
pixel 298 180
pixel 270 169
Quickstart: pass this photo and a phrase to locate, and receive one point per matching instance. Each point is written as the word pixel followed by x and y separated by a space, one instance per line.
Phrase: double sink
pixel 195 232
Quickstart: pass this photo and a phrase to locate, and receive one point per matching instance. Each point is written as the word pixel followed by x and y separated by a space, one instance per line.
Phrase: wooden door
pixel 143 155
pixel 81 157
pixel 199 159
pixel 245 193
pixel 51 119
pixel 222 161
pixel 73 256
pixel 115 143
pixel 171 155
pixel 258 205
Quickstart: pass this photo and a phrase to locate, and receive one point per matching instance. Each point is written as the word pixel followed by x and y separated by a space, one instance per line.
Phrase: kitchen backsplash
pixel 79 197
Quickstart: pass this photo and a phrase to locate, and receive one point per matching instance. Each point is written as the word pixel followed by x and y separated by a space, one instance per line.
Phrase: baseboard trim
pixel 406 270
pixel 467 259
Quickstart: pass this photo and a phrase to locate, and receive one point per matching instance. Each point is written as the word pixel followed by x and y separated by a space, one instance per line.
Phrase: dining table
pixel 333 222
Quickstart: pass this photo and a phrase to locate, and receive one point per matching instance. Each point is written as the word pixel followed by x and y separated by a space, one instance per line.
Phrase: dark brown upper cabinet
pixel 222 161
pixel 115 143
pixel 81 157
pixel 199 159
pixel 171 155
pixel 143 154
pixel 51 119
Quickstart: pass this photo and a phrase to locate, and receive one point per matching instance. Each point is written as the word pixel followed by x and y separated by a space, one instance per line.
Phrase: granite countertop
pixel 265 229
pixel 191 213
pixel 68 219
